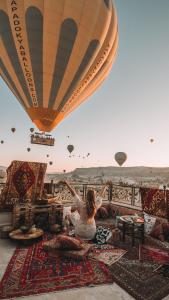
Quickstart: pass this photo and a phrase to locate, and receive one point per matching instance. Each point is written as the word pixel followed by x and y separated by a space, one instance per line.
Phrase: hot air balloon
pixel 55 54
pixel 2 142
pixel 28 149
pixel 120 158
pixel 31 129
pixel 51 163
pixel 47 155
pixel 13 129
pixel 70 148
pixel 151 140
pixel 64 171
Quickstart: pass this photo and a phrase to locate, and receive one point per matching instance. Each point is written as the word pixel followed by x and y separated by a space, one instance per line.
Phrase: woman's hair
pixel 90 204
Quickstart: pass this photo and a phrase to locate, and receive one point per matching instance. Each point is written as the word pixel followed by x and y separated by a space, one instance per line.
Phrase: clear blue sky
pixel 130 107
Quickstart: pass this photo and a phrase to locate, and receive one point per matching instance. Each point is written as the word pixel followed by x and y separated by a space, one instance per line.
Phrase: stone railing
pixel 128 195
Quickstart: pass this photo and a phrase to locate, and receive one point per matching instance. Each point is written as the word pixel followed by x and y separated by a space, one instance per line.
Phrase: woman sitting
pixel 85 226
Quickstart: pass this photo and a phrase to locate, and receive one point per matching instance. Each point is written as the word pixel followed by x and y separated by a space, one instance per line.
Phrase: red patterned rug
pixel 32 271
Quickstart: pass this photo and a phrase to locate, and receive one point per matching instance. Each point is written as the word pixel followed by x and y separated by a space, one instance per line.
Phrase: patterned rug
pixel 32 271
pixel 25 182
pixel 141 279
pixel 106 253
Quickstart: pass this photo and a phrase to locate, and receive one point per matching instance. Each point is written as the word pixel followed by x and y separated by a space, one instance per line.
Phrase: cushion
pixel 149 223
pixel 63 242
pixel 103 235
pixel 103 212
pixel 51 245
pixel 111 210
pixel 98 215
pixel 157 232
pixel 80 254
pixel 69 243
pixel 166 230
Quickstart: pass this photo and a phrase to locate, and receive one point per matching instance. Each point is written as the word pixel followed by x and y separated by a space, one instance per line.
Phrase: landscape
pixel 135 176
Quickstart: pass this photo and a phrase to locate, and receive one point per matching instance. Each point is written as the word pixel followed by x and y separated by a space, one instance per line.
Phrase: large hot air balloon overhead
pixel 55 54
pixel 120 158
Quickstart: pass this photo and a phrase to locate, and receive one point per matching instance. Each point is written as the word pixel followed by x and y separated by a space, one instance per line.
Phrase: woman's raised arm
pixel 72 190
pixel 103 190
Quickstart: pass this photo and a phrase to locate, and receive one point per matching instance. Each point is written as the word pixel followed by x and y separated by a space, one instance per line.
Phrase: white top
pixel 83 228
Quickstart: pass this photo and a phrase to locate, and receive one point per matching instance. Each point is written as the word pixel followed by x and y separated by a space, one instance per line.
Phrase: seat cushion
pixel 63 242
pixel 157 232
pixel 69 243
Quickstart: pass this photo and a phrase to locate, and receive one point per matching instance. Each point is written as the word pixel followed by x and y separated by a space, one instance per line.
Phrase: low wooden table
pixel 132 227
pixel 18 235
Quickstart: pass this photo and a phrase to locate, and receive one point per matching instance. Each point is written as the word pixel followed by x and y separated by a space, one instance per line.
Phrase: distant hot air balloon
pixel 13 129
pixel 28 149
pixel 47 155
pixel 54 55
pixel 151 140
pixel 31 129
pixel 70 148
pixel 64 171
pixel 2 142
pixel 120 158
pixel 51 163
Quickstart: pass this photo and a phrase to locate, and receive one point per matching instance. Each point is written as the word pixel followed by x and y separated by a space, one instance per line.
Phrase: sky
pixel 130 108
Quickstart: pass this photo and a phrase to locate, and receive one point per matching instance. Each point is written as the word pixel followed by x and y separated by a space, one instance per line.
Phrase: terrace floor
pixel 105 292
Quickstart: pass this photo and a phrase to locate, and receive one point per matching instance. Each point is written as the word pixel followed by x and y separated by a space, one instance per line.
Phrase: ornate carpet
pixel 153 201
pixel 106 253
pixel 140 278
pixel 25 181
pixel 32 271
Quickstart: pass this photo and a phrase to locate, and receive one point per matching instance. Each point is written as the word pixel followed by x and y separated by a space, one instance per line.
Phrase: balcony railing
pixel 128 195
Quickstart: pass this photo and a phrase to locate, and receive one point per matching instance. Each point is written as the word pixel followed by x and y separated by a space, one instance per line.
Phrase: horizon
pixel 99 167
pixel 129 108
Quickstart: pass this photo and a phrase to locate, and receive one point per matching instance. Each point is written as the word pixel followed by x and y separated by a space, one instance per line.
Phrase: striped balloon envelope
pixel 55 53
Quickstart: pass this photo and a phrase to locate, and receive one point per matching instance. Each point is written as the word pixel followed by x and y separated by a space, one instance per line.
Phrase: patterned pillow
pixel 166 230
pixel 111 210
pixel 69 243
pixel 149 223
pixel 51 245
pixel 98 215
pixel 157 232
pixel 103 212
pixel 63 242
pixel 103 235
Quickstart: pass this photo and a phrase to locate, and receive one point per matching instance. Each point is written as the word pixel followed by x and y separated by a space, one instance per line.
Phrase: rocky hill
pixel 131 175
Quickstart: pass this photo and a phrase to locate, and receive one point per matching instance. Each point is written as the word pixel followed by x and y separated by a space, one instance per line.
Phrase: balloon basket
pixel 42 139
